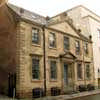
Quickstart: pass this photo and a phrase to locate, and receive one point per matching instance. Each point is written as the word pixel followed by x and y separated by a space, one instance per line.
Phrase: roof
pixel 31 16
pixel 27 14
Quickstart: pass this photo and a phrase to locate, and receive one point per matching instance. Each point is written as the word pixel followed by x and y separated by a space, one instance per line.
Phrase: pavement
pixel 61 97
pixel 71 96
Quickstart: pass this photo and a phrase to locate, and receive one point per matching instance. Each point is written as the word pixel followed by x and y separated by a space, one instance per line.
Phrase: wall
pixel 7 47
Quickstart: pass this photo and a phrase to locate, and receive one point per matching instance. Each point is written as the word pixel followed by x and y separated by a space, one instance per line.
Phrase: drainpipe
pixel 44 52
pixel 84 63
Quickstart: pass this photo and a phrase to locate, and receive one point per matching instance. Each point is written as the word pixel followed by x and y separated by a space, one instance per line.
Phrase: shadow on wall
pixel 7 47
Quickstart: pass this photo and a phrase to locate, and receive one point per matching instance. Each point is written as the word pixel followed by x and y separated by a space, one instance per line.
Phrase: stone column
pixel 20 59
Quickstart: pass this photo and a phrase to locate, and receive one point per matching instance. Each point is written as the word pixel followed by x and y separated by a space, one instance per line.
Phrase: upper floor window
pixel 52 40
pixel 53 68
pixel 98 70
pixel 87 71
pixel 79 71
pixel 98 33
pixel 35 35
pixel 77 44
pixel 66 43
pixel 86 48
pixel 35 68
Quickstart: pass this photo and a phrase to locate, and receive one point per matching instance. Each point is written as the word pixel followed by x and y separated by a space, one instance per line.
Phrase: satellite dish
pixel 2 2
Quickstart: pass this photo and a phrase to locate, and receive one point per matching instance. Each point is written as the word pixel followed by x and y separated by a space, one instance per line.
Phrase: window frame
pixel 36 58
pixel 79 74
pixel 86 48
pixel 68 44
pixel 38 35
pixel 55 43
pixel 98 33
pixel 77 49
pixel 89 73
pixel 54 78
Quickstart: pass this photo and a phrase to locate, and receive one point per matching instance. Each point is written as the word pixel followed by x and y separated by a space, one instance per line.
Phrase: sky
pixel 54 7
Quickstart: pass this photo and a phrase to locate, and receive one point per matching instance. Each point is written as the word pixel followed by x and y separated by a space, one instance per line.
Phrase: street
pixel 92 97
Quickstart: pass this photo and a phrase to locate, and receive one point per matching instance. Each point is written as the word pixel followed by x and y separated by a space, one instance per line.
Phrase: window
pixel 77 44
pixel 35 35
pixel 79 71
pixel 52 40
pixel 98 33
pixel 87 71
pixel 53 68
pixel 86 48
pixel 35 68
pixel 66 43
pixel 98 70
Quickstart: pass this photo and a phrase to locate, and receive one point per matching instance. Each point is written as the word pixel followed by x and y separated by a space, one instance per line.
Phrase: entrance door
pixel 65 74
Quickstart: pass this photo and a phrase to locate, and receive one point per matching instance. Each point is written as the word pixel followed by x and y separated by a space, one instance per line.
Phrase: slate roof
pixel 34 17
pixel 27 14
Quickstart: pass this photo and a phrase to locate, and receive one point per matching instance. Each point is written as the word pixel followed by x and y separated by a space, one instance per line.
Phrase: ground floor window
pixel 53 69
pixel 87 71
pixel 79 71
pixel 35 68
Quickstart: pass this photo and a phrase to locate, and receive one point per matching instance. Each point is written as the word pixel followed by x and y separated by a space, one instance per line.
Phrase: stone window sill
pixel 52 80
pixel 54 48
pixel 36 45
pixel 36 80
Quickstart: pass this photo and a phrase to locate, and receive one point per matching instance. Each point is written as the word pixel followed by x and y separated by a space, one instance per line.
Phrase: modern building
pixel 89 23
pixel 46 53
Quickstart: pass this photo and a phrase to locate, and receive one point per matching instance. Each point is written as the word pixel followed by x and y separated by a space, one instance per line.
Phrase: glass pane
pixel 53 70
pixel 77 47
pixel 65 73
pixel 66 43
pixel 35 36
pixel 35 68
pixel 52 40
pixel 79 71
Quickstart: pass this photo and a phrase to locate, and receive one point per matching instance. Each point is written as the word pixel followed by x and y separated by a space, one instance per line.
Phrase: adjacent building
pixel 50 53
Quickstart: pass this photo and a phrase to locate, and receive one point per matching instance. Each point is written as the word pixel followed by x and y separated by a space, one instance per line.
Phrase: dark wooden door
pixel 11 84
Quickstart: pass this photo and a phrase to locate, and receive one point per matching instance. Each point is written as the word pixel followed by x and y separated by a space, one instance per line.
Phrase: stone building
pixel 49 53
pixel 89 23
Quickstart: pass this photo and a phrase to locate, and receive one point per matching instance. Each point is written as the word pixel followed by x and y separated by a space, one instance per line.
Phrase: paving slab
pixel 61 97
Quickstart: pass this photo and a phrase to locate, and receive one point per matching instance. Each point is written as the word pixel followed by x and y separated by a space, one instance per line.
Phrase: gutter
pixel 44 52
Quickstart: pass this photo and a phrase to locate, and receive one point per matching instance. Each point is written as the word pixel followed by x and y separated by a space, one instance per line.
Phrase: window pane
pixel 77 44
pixel 79 71
pixel 98 33
pixel 53 70
pixel 86 48
pixel 87 71
pixel 35 68
pixel 66 43
pixel 35 35
pixel 52 40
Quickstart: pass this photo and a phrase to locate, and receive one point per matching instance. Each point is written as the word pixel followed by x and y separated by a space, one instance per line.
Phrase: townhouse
pixel 50 53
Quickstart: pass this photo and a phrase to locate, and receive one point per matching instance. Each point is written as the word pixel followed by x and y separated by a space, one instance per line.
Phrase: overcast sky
pixel 53 7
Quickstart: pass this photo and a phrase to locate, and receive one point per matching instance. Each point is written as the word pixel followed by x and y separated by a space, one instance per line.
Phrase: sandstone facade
pixel 26 50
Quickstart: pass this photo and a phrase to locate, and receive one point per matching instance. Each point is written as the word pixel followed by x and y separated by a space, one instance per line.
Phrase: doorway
pixel 11 84
pixel 65 75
